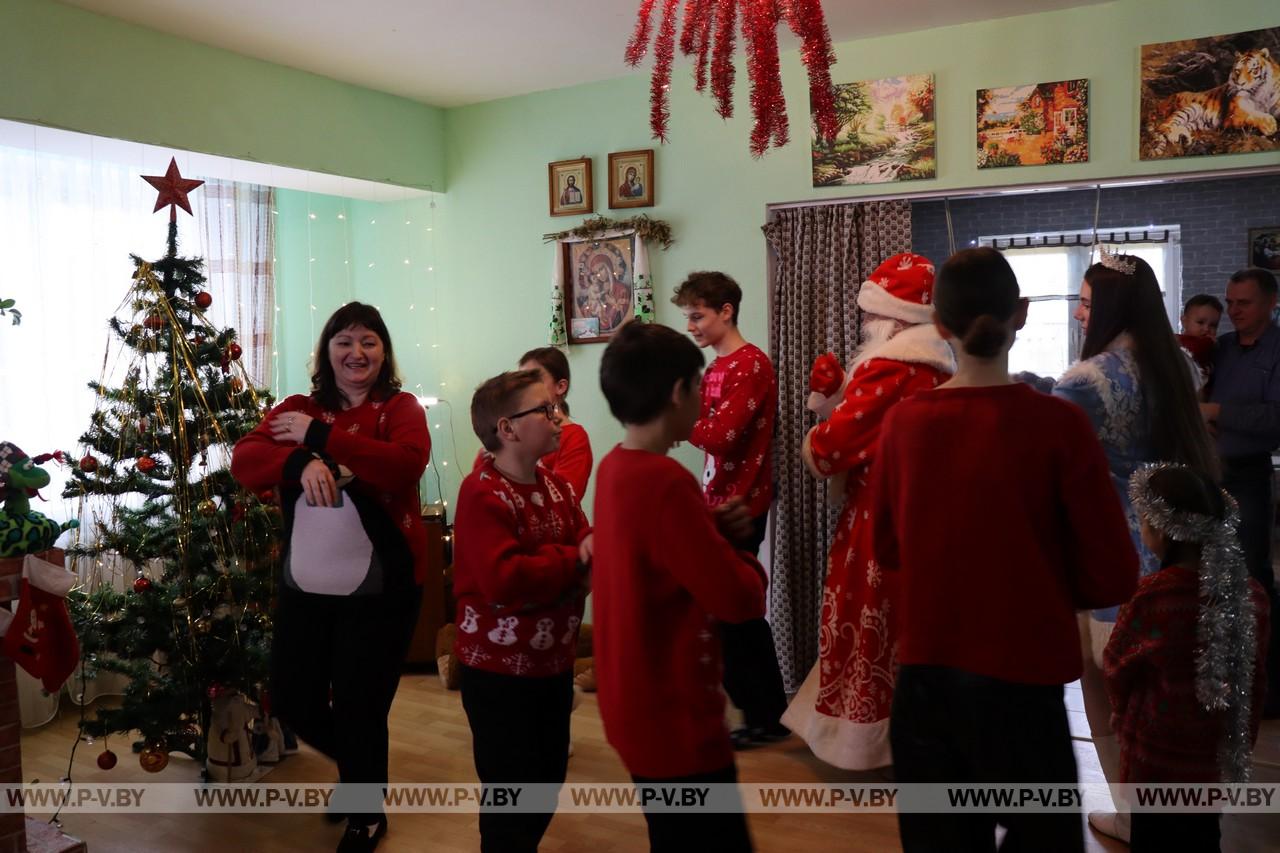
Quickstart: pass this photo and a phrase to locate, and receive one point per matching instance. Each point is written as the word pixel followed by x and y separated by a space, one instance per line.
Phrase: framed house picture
pixel 1264 248
pixel 631 179
pixel 569 187
pixel 599 284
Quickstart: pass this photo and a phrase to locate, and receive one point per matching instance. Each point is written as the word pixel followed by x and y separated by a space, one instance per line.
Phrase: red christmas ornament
pixel 215 690
pixel 203 300
pixel 141 584
pixel 267 496
pixel 107 760
pixel 155 321
pixel 146 464
pixel 173 190
pixel 88 464
pixel 234 352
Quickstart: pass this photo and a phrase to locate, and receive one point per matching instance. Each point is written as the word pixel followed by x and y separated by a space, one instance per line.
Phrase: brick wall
pixel 13 838
pixel 1215 216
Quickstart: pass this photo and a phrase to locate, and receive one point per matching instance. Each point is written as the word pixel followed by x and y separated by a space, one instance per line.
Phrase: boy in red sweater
pixel 666 575
pixel 735 428
pixel 520 578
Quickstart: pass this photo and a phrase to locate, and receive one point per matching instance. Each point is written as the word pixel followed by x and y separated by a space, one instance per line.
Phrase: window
pixel 1050 267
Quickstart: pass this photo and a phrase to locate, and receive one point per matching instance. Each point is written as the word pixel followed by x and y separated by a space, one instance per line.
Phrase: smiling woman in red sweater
pixel 346 460
pixel 994 503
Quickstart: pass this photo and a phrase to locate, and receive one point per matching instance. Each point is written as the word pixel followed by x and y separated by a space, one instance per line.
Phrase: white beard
pixel 875 334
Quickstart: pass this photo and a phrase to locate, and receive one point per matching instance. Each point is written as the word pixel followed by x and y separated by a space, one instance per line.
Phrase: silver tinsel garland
pixel 1226 640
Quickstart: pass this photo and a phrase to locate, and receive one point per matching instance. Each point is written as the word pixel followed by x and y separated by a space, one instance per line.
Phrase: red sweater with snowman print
pixel 735 428
pixel 519 587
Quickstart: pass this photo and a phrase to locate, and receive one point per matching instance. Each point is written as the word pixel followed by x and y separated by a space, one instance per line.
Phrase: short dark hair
pixel 714 289
pixel 493 400
pixel 975 295
pixel 641 365
pixel 555 362
pixel 324 385
pixel 1263 278
pixel 1205 299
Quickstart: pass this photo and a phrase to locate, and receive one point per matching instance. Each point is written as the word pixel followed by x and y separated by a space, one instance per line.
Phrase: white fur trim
pixel 917 345
pixel 46 576
pixel 875 299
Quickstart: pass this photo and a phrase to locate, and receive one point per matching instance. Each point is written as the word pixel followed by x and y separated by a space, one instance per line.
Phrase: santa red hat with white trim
pixel 900 288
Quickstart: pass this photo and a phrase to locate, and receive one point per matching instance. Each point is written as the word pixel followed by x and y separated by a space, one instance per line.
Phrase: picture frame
pixel 1033 125
pixel 1264 248
pixel 631 179
pixel 599 286
pixel 569 187
pixel 888 132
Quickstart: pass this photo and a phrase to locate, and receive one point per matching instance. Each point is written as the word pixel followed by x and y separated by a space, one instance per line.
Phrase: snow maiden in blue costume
pixel 1139 392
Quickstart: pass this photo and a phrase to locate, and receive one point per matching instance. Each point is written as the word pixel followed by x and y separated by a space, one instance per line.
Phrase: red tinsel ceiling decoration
pixel 708 31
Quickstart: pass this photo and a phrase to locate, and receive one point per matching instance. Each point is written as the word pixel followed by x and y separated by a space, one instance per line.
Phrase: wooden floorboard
pixel 430 742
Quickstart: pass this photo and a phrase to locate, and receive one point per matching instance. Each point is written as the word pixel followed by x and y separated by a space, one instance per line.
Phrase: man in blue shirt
pixel 1243 413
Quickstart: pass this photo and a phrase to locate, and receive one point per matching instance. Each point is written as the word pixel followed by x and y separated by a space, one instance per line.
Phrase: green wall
pixel 497 269
pixel 68 68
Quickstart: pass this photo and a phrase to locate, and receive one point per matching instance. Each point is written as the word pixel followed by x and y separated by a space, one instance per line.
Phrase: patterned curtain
pixel 822 255
pixel 238 233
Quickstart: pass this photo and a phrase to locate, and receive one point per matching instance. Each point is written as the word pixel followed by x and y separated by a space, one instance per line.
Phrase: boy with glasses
pixel 520 577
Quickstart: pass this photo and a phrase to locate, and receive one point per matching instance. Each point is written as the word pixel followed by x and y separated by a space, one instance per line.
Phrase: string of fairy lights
pixel 403 233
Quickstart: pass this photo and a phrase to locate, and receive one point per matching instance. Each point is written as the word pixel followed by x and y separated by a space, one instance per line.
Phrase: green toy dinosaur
pixel 22 530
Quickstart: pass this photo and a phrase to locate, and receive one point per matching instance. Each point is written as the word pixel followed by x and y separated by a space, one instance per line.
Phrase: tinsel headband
pixel 1120 263
pixel 1227 625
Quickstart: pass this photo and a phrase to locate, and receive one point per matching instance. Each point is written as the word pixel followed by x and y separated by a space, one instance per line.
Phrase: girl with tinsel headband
pixel 1184 665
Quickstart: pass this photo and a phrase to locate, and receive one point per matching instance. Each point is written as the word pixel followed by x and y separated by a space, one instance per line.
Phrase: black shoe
pixel 361 838
pixel 743 738
pixel 774 732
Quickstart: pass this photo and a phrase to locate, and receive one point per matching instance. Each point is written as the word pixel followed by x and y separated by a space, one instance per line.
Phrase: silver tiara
pixel 1120 263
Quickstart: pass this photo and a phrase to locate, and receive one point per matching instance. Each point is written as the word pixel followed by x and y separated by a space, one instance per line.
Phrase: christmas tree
pixel 193 619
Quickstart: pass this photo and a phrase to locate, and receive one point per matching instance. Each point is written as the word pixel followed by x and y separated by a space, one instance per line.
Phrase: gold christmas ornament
pixel 207 507
pixel 154 756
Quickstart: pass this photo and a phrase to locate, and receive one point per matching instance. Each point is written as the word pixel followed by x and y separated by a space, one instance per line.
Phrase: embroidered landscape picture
pixel 1033 125
pixel 887 133
pixel 1216 95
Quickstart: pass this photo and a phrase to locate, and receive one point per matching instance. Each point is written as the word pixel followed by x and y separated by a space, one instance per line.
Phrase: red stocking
pixel 40 638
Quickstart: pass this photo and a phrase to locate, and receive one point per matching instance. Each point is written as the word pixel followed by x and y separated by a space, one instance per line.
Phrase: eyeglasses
pixel 549 411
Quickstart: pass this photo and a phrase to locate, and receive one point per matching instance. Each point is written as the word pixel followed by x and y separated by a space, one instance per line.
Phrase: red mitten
pixel 40 639
pixel 826 376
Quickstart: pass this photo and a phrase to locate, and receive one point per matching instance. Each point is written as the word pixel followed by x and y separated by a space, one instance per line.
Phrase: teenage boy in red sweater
pixel 520 578
pixel 735 428
pixel 665 576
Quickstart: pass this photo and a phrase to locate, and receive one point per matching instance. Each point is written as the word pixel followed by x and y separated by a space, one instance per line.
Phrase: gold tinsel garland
pixel 647 229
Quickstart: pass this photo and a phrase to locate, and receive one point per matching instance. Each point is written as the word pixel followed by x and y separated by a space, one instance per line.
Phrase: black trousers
pixel 1248 479
pixel 1185 833
pixel 752 677
pixel 519 733
pixel 335 667
pixel 681 832
pixel 953 726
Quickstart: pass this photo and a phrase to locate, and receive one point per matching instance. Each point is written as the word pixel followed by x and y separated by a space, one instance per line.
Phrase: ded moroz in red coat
pixel 842 709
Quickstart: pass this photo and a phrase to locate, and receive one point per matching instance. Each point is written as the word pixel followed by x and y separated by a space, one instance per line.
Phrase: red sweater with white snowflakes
pixel 516 576
pixel 996 505
pixel 385 443
pixel 662 576
pixel 735 428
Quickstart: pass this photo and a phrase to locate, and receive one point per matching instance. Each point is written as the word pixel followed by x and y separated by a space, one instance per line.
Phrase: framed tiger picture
pixel 1214 95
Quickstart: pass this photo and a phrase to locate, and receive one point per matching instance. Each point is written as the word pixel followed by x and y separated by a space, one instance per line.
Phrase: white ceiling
pixel 454 52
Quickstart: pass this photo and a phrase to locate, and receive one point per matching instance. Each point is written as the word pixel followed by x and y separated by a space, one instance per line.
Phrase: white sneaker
pixel 1111 824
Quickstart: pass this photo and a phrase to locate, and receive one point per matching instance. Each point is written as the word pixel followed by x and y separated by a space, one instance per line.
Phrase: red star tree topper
pixel 173 189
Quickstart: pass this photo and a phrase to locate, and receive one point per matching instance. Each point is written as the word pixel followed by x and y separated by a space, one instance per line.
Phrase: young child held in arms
pixel 520 577
pixel 665 576
pixel 1184 665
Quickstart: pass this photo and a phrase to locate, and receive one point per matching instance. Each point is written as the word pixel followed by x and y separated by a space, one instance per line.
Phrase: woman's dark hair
pixel 640 367
pixel 975 295
pixel 555 363
pixel 1133 304
pixel 1186 490
pixel 324 387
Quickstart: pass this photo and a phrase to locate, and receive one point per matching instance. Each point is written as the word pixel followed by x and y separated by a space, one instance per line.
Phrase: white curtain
pixel 72 209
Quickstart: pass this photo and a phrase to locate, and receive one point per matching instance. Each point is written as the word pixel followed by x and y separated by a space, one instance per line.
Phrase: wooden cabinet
pixel 434 613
